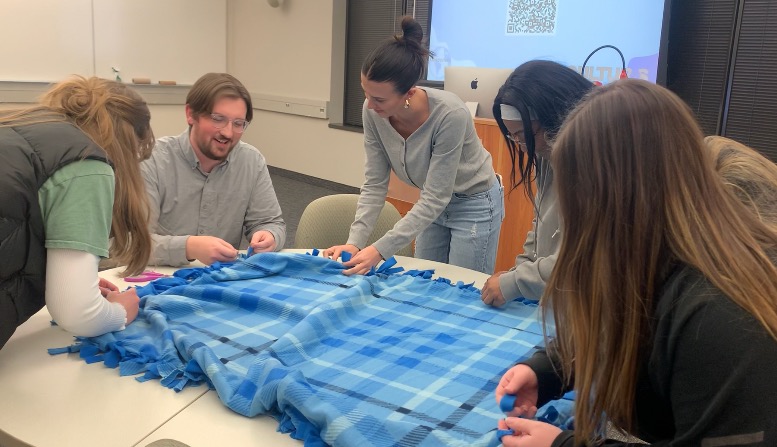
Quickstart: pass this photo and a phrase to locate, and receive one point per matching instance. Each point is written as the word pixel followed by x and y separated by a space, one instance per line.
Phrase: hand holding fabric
pixel 209 249
pixel 263 241
pixel 491 293
pixel 106 287
pixel 336 251
pixel 528 433
pixel 128 299
pixel 363 261
pixel 521 382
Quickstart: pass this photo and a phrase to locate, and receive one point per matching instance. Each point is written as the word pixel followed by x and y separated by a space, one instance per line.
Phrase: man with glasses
pixel 206 188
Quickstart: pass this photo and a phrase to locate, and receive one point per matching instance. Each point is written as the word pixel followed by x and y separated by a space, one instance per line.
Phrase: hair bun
pixel 86 98
pixel 80 99
pixel 411 31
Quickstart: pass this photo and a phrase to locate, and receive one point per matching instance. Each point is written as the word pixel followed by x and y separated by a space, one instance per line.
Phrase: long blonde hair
pixel 117 119
pixel 748 174
pixel 638 194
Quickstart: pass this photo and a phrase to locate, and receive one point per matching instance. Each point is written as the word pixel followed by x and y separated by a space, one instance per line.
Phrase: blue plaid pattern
pixel 386 359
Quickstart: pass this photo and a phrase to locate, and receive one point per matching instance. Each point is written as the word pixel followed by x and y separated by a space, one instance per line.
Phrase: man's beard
pixel 208 152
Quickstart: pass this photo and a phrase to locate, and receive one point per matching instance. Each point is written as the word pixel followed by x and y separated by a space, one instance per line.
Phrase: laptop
pixel 476 84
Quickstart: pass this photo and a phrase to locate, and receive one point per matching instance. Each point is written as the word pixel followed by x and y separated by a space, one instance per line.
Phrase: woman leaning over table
pixel 664 291
pixel 69 181
pixel 529 109
pixel 427 138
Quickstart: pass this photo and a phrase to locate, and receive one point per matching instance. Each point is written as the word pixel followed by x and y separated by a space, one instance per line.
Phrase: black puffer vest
pixel 29 155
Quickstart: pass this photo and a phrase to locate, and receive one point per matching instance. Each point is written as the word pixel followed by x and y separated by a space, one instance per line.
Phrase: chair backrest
pixel 326 222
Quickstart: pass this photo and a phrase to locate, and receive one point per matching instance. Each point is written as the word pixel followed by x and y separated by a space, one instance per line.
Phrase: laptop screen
pixel 476 84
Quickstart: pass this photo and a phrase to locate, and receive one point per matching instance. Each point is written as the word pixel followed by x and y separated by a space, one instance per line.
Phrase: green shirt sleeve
pixel 76 203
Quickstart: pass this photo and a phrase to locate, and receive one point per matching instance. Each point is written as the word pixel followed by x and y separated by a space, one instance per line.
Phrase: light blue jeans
pixel 466 234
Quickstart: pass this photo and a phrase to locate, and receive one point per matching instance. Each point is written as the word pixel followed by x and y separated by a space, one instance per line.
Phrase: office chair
pixel 326 222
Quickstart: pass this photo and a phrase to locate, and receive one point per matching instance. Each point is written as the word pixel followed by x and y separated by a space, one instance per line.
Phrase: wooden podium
pixel 518 208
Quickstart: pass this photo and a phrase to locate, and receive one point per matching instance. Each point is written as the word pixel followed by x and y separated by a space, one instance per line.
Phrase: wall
pixel 175 40
pixel 64 44
pixel 165 103
pixel 288 51
pixel 46 40
pixel 144 38
pixel 165 119
pixel 283 52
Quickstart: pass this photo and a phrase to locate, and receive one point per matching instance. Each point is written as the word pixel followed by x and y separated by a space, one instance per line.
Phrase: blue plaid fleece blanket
pixel 385 359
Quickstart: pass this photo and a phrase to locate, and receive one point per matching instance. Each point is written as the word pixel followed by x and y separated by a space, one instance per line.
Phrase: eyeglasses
pixel 220 121
pixel 517 141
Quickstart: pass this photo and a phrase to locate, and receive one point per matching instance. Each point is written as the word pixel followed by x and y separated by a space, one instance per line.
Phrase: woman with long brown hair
pixel 664 292
pixel 70 182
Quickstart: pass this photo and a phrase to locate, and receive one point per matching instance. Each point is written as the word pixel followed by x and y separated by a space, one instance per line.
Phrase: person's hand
pixel 129 299
pixel 334 252
pixel 521 382
pixel 528 433
pixel 209 249
pixel 263 241
pixel 363 261
pixel 106 287
pixel 491 294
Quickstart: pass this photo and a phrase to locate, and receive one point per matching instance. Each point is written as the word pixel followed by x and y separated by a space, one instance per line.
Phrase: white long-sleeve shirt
pixel 73 296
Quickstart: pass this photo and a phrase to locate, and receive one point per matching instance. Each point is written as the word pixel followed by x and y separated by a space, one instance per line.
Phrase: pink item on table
pixel 148 275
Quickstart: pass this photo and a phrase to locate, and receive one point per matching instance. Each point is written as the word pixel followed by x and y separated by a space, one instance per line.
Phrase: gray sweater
pixel 442 157
pixel 235 200
pixel 533 267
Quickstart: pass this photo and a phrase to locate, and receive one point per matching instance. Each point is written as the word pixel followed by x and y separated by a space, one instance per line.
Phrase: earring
pixel 407 103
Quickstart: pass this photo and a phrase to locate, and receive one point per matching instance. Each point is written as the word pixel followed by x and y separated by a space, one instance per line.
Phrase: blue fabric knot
pixel 507 403
pixel 425 274
pixel 502 433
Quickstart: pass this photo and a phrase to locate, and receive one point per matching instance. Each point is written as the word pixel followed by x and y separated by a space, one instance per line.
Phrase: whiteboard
pixel 45 40
pixel 177 40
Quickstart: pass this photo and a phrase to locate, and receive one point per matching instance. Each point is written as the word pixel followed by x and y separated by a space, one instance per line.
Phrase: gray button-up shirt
pixel 235 199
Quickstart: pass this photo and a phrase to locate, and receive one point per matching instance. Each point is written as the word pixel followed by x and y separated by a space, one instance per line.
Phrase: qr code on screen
pixel 531 17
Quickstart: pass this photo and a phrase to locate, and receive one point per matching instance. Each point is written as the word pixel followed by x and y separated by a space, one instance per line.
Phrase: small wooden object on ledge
pixel 167 83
